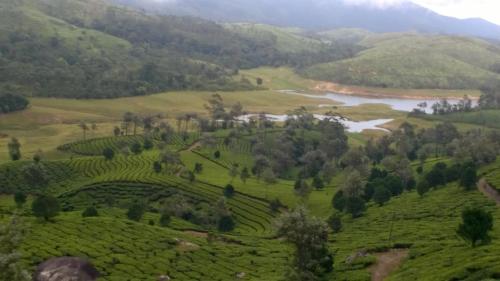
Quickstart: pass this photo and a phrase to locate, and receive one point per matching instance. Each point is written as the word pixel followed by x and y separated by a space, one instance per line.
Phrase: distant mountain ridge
pixel 323 15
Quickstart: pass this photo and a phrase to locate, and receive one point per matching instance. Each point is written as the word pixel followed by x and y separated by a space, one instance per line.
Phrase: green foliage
pixel 423 187
pixel 355 206
pixel 11 103
pixel 136 148
pixel 165 220
pixel 10 259
pixel 335 223
pixel 108 153
pixel 46 207
pixel 229 191
pixel 381 195
pixel 136 211
pixel 468 178
pixel 476 223
pixel 225 223
pixel 318 182
pixel 309 237
pixel 20 199
pixel 14 149
pixel 433 62
pixel 36 174
pixel 90 212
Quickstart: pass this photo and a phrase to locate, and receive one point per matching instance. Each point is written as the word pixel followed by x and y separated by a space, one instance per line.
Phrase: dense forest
pixel 68 48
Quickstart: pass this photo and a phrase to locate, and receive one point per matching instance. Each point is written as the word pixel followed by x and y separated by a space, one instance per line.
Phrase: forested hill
pixel 92 49
pixel 322 15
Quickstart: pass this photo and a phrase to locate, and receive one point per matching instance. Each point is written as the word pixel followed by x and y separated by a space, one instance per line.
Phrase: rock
pixel 66 269
pixel 164 278
pixel 241 275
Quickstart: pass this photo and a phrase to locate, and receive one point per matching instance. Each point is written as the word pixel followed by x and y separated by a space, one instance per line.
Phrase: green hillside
pixel 415 61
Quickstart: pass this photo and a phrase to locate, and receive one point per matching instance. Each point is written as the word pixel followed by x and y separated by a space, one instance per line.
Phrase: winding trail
pixel 488 190
pixel 387 262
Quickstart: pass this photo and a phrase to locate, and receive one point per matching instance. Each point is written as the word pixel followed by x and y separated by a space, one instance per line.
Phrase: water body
pixel 399 104
pixel 351 126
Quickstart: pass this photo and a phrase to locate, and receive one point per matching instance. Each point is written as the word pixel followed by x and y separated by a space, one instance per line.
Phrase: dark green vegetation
pixel 92 49
pixel 209 199
pixel 11 103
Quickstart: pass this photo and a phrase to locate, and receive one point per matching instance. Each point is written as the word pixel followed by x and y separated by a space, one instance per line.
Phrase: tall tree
pixel 10 259
pixel 45 207
pixel 476 223
pixel 84 128
pixel 309 236
pixel 14 147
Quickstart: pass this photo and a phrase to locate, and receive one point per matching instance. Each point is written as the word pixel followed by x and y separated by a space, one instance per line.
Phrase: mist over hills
pixel 323 15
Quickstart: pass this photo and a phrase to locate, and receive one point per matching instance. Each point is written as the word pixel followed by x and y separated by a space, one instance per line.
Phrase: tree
pixel 148 143
pixel 309 236
pixel 335 222
pixel 339 200
pixel 135 212
pixel 164 219
pixel 37 157
pixel 128 117
pixel 225 223
pixel 244 175
pixel 20 199
pixel 476 223
pixel 117 131
pixel 275 205
pixel 84 128
pixel 229 191
pixel 468 178
pixel 157 167
pixel 108 153
pixel 318 182
pixel 423 187
pixel 233 171
pixel 35 174
pixel 46 207
pixel 301 187
pixel 355 206
pixel 136 148
pixel 353 185
pixel 14 147
pixel 198 168
pixel 10 260
pixel 259 81
pixel 90 212
pixel 269 177
pixel 217 154
pixel 381 195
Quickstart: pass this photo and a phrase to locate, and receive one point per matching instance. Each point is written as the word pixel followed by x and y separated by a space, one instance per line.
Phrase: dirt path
pixel 488 190
pixel 387 262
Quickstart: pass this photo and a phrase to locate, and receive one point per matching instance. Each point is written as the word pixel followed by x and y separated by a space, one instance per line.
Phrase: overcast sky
pixel 486 9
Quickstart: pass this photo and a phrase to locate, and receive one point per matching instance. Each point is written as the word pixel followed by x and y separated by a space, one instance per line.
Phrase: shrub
pixel 217 154
pixel 46 207
pixel 339 201
pixel 226 223
pixel 423 187
pixel 20 199
pixel 90 212
pixel 381 195
pixel 229 191
pixel 335 223
pixel 135 212
pixel 165 219
pixel 108 153
pixel 355 206
pixel 136 148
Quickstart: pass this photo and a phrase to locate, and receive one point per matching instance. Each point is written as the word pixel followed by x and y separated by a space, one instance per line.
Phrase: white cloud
pixel 486 9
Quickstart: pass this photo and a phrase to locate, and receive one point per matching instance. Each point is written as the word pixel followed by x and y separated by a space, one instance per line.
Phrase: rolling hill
pixel 92 49
pixel 323 15
pixel 412 60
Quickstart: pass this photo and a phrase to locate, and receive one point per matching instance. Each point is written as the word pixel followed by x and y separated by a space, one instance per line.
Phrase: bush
pixel 165 220
pixel 476 223
pixel 381 195
pixel 157 167
pixel 339 201
pixel 335 223
pixel 108 153
pixel 229 191
pixel 217 154
pixel 318 182
pixel 226 223
pixel 468 178
pixel 46 207
pixel 90 212
pixel 275 205
pixel 148 144
pixel 423 187
pixel 20 199
pixel 135 212
pixel 136 148
pixel 355 206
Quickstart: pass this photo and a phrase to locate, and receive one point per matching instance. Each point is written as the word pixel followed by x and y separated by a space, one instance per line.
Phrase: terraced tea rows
pixel 94 147
pixel 124 250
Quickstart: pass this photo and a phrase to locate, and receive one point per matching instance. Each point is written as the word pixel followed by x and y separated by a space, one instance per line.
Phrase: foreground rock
pixel 66 269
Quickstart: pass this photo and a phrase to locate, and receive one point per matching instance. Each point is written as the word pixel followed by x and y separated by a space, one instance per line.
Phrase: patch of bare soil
pixel 488 190
pixel 196 233
pixel 387 262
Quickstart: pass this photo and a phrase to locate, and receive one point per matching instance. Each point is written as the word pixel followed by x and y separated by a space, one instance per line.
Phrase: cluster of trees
pixel 10 103
pixel 441 174
pixel 143 53
pixel 490 97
